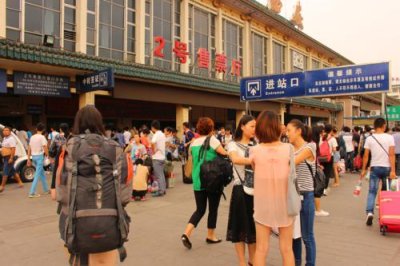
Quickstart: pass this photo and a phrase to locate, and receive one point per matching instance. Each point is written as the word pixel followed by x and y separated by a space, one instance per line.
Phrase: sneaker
pixel 46 192
pixel 370 217
pixel 321 213
pixel 34 195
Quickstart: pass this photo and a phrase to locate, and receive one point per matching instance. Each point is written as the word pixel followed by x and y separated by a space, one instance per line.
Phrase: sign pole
pixel 248 108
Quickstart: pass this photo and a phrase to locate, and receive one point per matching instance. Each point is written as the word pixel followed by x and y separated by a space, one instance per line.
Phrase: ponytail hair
pixel 305 130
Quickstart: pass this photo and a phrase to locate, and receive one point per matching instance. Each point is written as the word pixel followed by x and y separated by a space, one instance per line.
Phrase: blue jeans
pixel 39 173
pixel 307 230
pixel 377 173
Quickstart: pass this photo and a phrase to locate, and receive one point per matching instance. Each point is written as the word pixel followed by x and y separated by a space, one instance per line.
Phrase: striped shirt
pixel 304 178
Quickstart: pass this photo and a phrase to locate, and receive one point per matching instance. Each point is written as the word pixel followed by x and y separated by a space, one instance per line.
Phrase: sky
pixel 364 31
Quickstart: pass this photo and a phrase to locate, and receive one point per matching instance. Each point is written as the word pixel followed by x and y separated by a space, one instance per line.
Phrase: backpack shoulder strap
pixel 380 144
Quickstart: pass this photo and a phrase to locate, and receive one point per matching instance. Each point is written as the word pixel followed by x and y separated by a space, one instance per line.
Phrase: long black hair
pixel 305 130
pixel 88 118
pixel 243 121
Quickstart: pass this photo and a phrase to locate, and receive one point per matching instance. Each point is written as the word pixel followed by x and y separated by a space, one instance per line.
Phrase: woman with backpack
pixel 272 172
pixel 305 159
pixel 205 127
pixel 317 133
pixel 241 226
pixel 93 185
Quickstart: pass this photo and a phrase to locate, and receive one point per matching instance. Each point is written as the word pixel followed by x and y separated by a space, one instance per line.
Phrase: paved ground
pixel 29 232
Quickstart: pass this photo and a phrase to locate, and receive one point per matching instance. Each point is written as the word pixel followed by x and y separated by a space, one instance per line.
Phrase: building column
pixel 81 26
pixel 185 31
pixel 246 64
pixel 282 111
pixel 288 58
pixel 270 54
pixel 219 45
pixel 87 98
pixel 3 18
pixel 140 34
pixel 182 115
pixel 309 121
pixel 239 115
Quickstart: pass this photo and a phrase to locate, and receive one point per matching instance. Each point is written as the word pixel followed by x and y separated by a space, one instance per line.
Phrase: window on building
pixel 233 48
pixel 13 20
pixel 201 36
pixel 326 66
pixel 162 20
pixel 298 61
pixel 279 52
pixel 69 25
pixel 42 17
pixel 315 64
pixel 131 31
pixel 111 29
pixel 259 55
pixel 91 28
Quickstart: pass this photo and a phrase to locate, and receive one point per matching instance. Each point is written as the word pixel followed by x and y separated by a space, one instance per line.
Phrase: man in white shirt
pixel 8 148
pixel 127 136
pixel 38 150
pixel 158 145
pixel 348 141
pixel 53 133
pixel 382 149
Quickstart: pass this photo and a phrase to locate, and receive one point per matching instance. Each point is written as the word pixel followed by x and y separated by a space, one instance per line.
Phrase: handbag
pixel 357 162
pixel 189 165
pixel 293 195
pixel 318 179
pixel 248 181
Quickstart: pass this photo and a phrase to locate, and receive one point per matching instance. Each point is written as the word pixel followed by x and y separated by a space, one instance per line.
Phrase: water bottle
pixel 357 189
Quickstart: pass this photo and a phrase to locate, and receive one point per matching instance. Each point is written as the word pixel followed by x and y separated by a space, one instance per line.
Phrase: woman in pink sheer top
pixel 271 166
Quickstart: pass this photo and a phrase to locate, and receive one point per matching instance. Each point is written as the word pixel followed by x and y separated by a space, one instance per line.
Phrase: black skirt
pixel 241 226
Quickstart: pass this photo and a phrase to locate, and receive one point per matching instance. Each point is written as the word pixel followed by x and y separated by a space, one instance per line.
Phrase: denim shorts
pixel 8 169
pixel 336 157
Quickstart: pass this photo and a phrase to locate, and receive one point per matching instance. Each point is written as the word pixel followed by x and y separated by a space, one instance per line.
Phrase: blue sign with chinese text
pixel 272 87
pixel 348 80
pixel 41 85
pixel 101 80
pixel 3 81
pixel 354 79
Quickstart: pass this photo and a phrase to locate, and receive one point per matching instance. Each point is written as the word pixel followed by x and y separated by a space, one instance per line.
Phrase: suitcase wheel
pixel 383 230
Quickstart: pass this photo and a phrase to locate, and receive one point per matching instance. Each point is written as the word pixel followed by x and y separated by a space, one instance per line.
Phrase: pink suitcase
pixel 389 211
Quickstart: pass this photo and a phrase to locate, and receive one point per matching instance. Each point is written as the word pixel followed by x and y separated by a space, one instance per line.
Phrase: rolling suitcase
pixel 389 208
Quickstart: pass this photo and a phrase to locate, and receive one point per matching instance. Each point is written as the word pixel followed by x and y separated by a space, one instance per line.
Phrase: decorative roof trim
pixel 50 56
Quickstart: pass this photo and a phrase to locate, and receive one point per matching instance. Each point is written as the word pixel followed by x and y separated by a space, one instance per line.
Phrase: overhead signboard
pixel 272 87
pixel 41 85
pixel 393 113
pixel 355 79
pixel 3 81
pixel 100 80
pixel 348 80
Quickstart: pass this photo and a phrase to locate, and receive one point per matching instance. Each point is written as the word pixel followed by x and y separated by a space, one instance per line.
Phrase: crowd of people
pixel 267 159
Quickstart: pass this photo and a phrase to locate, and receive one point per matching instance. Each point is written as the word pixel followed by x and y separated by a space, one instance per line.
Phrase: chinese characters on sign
pixel 41 85
pixel 3 81
pixel 393 113
pixel 333 81
pixel 348 80
pixel 180 50
pixel 101 80
pixel 272 87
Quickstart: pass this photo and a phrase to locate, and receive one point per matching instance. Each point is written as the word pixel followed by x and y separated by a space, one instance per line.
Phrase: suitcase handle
pixel 388 183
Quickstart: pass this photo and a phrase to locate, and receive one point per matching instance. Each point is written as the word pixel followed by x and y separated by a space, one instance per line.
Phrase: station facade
pixel 173 60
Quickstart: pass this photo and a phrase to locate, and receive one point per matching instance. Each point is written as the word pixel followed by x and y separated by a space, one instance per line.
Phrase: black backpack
pixel 215 174
pixel 318 180
pixel 93 185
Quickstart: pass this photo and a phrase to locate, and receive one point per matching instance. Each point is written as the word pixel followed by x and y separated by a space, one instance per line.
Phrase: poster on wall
pixel 41 85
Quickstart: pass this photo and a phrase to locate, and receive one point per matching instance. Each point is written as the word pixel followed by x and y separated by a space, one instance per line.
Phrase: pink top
pixel 271 175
